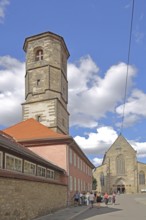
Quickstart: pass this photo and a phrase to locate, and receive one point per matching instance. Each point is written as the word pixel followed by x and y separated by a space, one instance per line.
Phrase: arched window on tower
pixel 120 165
pixel 141 177
pixel 38 118
pixel 39 55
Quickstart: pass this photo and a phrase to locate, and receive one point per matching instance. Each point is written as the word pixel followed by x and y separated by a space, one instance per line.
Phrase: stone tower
pixel 46 85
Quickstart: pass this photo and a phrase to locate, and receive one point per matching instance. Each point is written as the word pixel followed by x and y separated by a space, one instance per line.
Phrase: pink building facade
pixel 70 158
pixel 60 150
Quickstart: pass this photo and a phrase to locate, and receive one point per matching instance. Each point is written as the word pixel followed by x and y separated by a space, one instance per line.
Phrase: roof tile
pixel 31 129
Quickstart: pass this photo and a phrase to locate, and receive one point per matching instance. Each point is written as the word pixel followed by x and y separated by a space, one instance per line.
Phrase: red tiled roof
pixel 31 129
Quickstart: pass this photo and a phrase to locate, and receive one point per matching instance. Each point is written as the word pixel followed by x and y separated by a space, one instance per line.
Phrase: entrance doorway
pixel 121 189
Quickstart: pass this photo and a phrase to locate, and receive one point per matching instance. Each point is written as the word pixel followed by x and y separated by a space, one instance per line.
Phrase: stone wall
pixel 25 200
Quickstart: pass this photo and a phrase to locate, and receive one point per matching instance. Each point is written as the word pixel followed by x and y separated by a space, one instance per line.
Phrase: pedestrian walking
pixel 91 199
pixel 98 199
pixel 113 198
pixel 106 198
pixel 76 197
pixel 87 198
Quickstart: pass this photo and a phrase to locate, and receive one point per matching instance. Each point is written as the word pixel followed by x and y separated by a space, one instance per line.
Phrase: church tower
pixel 46 85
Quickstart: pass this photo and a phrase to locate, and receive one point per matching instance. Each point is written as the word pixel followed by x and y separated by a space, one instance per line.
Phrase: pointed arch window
pixel 120 165
pixel 39 55
pixel 141 178
pixel 102 179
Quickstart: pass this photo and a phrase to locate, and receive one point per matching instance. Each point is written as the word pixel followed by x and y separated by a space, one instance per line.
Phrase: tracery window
pixel 102 179
pixel 120 164
pixel 39 55
pixel 141 178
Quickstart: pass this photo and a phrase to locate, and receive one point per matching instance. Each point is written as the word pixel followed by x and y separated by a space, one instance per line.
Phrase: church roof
pixel 32 129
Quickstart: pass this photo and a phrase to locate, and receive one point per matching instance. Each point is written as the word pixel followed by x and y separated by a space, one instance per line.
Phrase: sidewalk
pixel 65 214
pixel 127 207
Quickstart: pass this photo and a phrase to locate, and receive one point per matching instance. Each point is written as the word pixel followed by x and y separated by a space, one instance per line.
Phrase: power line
pixel 127 70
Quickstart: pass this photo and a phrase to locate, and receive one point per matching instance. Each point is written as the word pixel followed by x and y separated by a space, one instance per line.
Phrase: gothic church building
pixel 120 171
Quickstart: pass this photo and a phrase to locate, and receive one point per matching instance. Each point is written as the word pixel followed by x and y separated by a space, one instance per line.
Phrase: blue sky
pixel 96 33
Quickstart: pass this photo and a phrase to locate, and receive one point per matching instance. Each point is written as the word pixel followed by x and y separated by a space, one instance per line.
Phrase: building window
pixel 41 171
pixel 70 155
pixel 120 165
pixel 75 184
pixel 38 118
pixel 78 163
pixel 79 185
pixel 50 174
pixel 38 82
pixel 13 163
pixel 29 168
pixel 63 122
pixel 1 159
pixel 102 179
pixel 84 186
pixel 81 165
pixel 39 55
pixel 70 183
pixel 141 178
pixel 74 159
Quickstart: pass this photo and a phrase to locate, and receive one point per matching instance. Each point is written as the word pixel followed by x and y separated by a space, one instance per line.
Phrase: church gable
pixel 122 146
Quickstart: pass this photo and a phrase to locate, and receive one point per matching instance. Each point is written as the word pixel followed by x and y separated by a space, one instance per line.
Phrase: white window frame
pixel 15 158
pixel 71 183
pixel 75 184
pixel 78 163
pixel 70 155
pixel 52 175
pixel 29 172
pixel 79 185
pixel 81 165
pixel 41 167
pixel 75 161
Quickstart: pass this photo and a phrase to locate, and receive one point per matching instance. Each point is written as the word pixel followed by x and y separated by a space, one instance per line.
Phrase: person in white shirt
pixel 91 199
pixel 87 198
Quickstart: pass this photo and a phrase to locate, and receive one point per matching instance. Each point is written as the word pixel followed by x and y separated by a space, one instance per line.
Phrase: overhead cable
pixel 127 70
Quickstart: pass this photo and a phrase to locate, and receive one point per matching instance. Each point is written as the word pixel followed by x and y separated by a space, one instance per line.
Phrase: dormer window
pixel 39 55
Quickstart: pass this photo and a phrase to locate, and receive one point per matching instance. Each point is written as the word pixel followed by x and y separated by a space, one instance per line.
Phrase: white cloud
pixel 90 96
pixel 97 161
pixel 3 4
pixel 11 90
pixel 134 108
pixel 106 93
pixel 97 143
pixel 140 147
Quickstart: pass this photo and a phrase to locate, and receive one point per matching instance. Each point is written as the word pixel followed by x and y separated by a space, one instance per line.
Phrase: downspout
pixel 68 176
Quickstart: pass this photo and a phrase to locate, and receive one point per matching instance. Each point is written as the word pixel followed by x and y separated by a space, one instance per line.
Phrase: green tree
pixel 94 183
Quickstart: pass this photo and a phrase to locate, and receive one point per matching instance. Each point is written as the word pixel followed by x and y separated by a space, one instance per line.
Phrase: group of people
pixel 90 198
